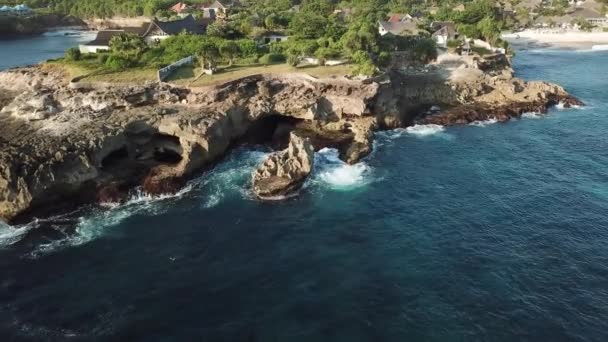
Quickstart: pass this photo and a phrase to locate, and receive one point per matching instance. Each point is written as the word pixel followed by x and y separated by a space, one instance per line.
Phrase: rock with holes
pixel 284 172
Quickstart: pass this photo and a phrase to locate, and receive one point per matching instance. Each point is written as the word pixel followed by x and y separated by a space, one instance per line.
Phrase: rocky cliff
pixel 63 144
pixel 284 172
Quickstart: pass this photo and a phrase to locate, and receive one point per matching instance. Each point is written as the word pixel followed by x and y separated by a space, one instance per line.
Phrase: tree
pixel 272 21
pixel 488 29
pixel 307 26
pixel 208 55
pixel 127 45
pixel 217 29
pixel 72 54
pixel 293 60
pixel 363 64
pixel 360 37
pixel 229 50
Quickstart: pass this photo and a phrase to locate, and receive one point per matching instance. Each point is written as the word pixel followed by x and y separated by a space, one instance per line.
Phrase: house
pixel 179 8
pixel 102 40
pixel 399 17
pixel 159 30
pixel 590 11
pixel 221 9
pixel 272 37
pixel 443 32
pixel 402 28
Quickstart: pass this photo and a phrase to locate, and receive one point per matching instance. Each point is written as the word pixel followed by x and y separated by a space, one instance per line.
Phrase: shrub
pixel 102 58
pixel 364 64
pixel 293 60
pixel 384 59
pixel 453 43
pixel 272 58
pixel 425 50
pixel 480 50
pixel 247 60
pixel 115 62
pixel 247 47
pixel 73 54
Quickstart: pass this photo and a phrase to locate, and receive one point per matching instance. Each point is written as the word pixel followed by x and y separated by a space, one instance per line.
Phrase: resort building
pixel 179 8
pixel 155 31
pixel 219 9
pixel 159 30
pixel 401 28
pixel 272 37
pixel 443 32
pixel 102 40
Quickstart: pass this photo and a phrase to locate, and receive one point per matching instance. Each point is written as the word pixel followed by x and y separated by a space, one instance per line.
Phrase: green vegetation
pixel 480 19
pixel 315 30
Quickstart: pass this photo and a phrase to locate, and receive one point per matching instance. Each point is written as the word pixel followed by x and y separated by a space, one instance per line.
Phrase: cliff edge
pixel 64 144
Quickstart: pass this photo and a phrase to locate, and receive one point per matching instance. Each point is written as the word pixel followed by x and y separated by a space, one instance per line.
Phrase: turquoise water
pixel 492 232
pixel 35 49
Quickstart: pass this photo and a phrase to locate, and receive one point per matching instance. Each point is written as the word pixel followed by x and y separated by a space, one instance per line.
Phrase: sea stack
pixel 283 173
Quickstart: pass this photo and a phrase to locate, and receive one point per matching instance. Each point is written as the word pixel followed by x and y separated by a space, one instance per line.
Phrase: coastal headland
pixel 64 144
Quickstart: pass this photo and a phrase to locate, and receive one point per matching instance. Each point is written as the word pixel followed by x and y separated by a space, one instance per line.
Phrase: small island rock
pixel 284 172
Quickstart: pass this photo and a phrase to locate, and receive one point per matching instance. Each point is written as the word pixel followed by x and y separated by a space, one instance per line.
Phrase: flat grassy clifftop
pixel 190 75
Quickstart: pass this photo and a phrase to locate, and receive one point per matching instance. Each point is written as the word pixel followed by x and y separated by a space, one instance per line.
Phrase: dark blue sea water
pixel 488 232
pixel 35 49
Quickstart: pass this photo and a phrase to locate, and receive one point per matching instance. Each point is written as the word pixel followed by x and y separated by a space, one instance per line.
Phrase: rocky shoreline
pixel 64 144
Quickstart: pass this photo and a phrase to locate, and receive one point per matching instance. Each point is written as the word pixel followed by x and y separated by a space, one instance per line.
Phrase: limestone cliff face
pixel 62 144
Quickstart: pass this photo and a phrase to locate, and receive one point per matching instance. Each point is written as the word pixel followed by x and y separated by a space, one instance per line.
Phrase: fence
pixel 168 70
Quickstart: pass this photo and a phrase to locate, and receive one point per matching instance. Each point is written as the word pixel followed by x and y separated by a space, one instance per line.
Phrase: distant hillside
pixel 35 24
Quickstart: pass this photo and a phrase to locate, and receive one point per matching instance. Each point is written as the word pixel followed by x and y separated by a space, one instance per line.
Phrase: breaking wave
pixel 423 130
pixel 332 171
pixel 484 123
pixel 99 221
pixel 230 177
pixel 561 106
pixel 532 115
pixel 10 235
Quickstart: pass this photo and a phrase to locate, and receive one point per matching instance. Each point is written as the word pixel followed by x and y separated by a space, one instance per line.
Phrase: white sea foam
pixel 424 130
pixel 330 170
pixel 561 106
pixel 214 186
pixel 532 115
pixel 97 222
pixel 484 123
pixel 10 235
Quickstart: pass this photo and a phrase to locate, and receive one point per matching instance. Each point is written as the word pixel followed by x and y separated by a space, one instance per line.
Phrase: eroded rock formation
pixel 63 143
pixel 284 172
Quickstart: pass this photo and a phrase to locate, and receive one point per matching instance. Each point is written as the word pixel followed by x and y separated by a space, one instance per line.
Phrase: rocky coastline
pixel 19 26
pixel 64 144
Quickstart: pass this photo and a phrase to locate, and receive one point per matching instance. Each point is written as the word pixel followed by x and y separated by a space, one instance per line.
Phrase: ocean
pixel 486 232
pixel 31 50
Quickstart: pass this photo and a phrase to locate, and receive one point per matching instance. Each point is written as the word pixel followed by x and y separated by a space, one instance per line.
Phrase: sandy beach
pixel 556 39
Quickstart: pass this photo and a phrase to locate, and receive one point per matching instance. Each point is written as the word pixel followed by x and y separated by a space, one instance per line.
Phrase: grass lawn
pixel 85 67
pixel 187 75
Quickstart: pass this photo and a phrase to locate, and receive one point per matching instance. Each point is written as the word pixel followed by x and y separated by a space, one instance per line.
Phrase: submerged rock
pixel 284 172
